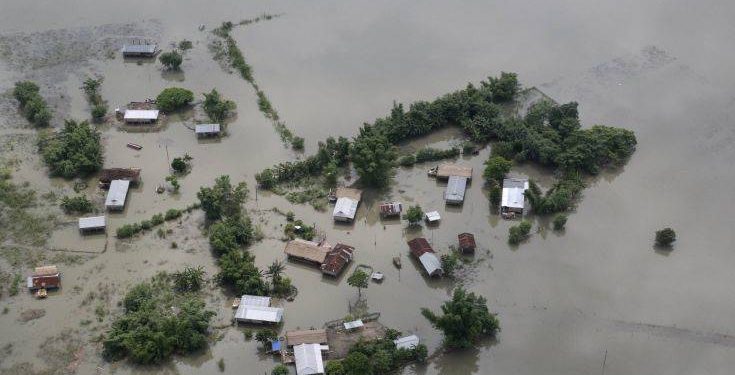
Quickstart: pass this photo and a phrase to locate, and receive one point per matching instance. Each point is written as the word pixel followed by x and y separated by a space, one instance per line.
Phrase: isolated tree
pixel 559 221
pixel 174 181
pixel 190 279
pixel 74 151
pixel 179 165
pixel 518 233
pixel 222 199
pixel 373 157
pixel 173 98
pixel 496 194
pixel 216 107
pixel 496 168
pixel 464 319
pixel 414 214
pixel 171 60
pixel 359 280
pixel 665 237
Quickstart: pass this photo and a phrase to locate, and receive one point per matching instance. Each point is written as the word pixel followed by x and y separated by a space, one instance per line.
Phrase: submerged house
pixel 337 259
pixel 456 187
pixel 116 195
pixel 257 309
pixel 345 208
pixel 91 224
pixel 308 359
pixel 46 277
pixel 446 170
pixel 128 174
pixel 466 243
pixel 421 249
pixel 139 49
pixel 407 342
pixel 140 116
pixel 513 197
pixel 207 130
pixel 309 336
pixel 389 209
pixel 306 251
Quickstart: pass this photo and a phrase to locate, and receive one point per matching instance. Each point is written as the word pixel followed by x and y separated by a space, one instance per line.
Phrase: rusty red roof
pixel 466 241
pixel 337 259
pixel 419 246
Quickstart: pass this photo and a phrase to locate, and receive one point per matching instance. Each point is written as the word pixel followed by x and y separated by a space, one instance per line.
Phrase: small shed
pixel 306 251
pixel 308 359
pixel 446 170
pixel 45 277
pixel 513 196
pixel 207 130
pixel 139 49
pixel 353 325
pixel 141 116
pixel 337 259
pixel 466 242
pixel 389 209
pixel 432 217
pixel 310 336
pixel 407 342
pixel 117 194
pixel 109 174
pixel 456 187
pixel 345 208
pixel 91 224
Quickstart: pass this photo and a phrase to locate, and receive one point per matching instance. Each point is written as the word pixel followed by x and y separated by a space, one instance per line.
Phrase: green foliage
pixel 79 204
pixel 304 231
pixel 185 45
pixel 128 230
pixel 238 272
pixel 334 367
pixel 358 279
pixel 450 262
pixel 465 318
pixel 222 199
pixel 373 157
pixel 172 214
pixel 99 111
pixel 414 215
pixel 216 107
pixel 157 322
pixel 171 60
pixel 190 279
pixel 503 88
pixel 428 154
pixel 174 181
pixel 33 106
pixel 496 167
pixel 280 370
pixel 559 221
pixel 230 234
pixel 382 356
pixel 559 198
pixel 91 90
pixel 330 175
pixel 265 336
pixel 297 143
pixel 181 164
pixel 407 160
pixel 74 151
pixel 357 363
pixel 518 233
pixel 174 98
pixel 496 194
pixel 665 237
pixel 332 151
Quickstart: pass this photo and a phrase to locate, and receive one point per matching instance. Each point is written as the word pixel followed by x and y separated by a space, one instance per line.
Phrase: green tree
pixel 174 181
pixel 331 174
pixel 25 91
pixel 222 199
pixel 496 194
pixel 559 221
pixel 174 98
pixel 665 237
pixel 238 271
pixel 74 151
pixel 357 363
pixel 373 157
pixel 171 60
pixel 266 179
pixel 33 106
pixel 190 279
pixel 297 143
pixel 79 204
pixel 496 167
pixel 334 367
pixel 359 280
pixel 464 319
pixel 179 165
pixel 280 370
pixel 503 88
pixel 414 215
pixel 449 262
pixel 265 336
pixel 216 107
pixel 518 233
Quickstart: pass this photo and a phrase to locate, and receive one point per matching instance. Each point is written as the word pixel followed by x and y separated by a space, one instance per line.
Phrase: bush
pixel 334 367
pixel 146 225
pixel 496 194
pixel 518 233
pixel 217 108
pixel 79 204
pixel 171 60
pixel 449 262
pixel 99 111
pixel 179 165
pixel 75 151
pixel 229 235
pixel 407 160
pixel 190 279
pixel 33 106
pixel 665 237
pixel 414 215
pixel 174 98
pixel 222 199
pixel 559 221
pixel 157 219
pixel 280 370
pixel 128 230
pixel 185 45
pixel 172 214
pixel 297 143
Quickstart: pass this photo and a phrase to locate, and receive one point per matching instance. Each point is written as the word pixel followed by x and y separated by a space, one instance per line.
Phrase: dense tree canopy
pixel 74 151
pixel 373 157
pixel 173 98
pixel 465 318
pixel 216 107
pixel 171 60
pixel 33 106
pixel 496 168
pixel 223 199
pixel 665 237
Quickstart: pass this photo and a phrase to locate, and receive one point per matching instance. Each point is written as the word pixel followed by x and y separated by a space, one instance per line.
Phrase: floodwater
pixel 596 299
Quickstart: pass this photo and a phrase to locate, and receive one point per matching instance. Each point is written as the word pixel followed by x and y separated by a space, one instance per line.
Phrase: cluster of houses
pixel 117 181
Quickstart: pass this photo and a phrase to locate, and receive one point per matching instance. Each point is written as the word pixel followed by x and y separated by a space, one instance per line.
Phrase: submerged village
pixel 141 244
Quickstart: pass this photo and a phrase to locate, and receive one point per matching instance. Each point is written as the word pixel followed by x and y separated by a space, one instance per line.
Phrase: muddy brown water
pixel 595 299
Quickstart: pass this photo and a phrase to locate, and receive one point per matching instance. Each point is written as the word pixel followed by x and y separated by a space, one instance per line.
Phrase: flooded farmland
pixel 597 298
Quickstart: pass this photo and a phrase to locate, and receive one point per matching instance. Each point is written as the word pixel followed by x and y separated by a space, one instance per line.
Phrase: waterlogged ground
pixel 595 299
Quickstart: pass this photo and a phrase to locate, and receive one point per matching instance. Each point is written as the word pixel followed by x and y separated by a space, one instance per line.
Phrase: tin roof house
pixel 421 249
pixel 389 209
pixel 257 309
pixel 456 187
pixel 139 48
pixel 306 251
pixel 46 277
pixel 207 130
pixel 91 224
pixel 116 195
pixel 337 259
pixel 345 208
pixel 513 197
pixel 308 359
pixel 446 170
pixel 140 116
pixel 466 243
pixel 407 342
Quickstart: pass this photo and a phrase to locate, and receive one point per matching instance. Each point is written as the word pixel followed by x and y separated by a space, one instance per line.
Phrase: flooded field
pixel 597 298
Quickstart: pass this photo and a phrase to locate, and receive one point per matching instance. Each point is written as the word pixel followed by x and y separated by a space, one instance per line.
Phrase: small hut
pixel 345 208
pixel 422 251
pixel 466 243
pixel 513 196
pixel 141 116
pixel 310 336
pixel 117 195
pixel 446 170
pixel 139 48
pixel 91 224
pixel 128 174
pixel 389 209
pixel 45 277
pixel 257 309
pixel 207 130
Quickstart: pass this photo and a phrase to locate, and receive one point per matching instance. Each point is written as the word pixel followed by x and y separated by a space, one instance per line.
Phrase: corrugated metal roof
pixel 391 208
pixel 512 195
pixel 433 216
pixel 141 114
pixel 117 194
pixel 407 342
pixel 308 358
pixel 207 128
pixel 259 313
pixel 139 48
pixel 345 208
pixel 255 300
pixel 353 324
pixel 431 264
pixel 456 187
pixel 94 222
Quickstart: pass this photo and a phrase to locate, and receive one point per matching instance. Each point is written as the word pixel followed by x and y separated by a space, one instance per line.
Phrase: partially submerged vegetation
pixel 130 230
pixel 665 237
pixel 75 151
pixel 380 356
pixel 160 319
pixel 464 319
pixel 98 105
pixel 174 98
pixel 20 224
pixel 518 233
pixel 171 60
pixel 76 204
pixel 428 154
pixel 216 107
pixel 32 105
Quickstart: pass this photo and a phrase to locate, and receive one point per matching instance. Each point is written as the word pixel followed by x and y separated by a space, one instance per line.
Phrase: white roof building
pixel 91 223
pixel 207 129
pixel 256 309
pixel 345 209
pixel 407 342
pixel 513 198
pixel 141 115
pixel 353 324
pixel 432 217
pixel 308 358
pixel 431 263
pixel 117 194
pixel 456 187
